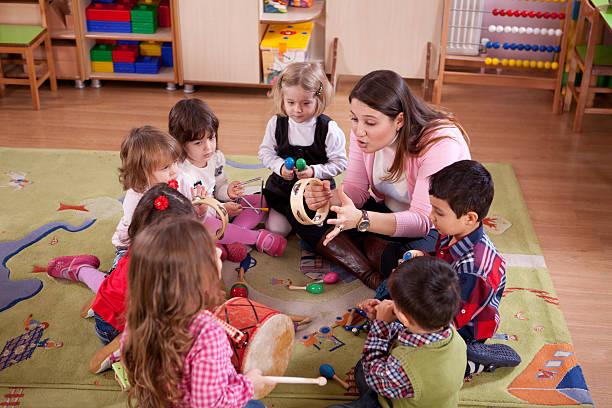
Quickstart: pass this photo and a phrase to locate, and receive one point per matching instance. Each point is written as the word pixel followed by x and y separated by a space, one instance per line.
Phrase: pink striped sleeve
pixel 214 381
pixel 356 181
pixel 415 222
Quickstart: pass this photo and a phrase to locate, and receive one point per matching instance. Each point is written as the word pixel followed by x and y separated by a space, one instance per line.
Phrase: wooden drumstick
pixel 328 372
pixel 321 381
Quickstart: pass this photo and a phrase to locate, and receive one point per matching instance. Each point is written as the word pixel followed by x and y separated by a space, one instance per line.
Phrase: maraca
pixel 300 164
pixel 331 277
pixel 328 372
pixel 314 288
pixel 289 163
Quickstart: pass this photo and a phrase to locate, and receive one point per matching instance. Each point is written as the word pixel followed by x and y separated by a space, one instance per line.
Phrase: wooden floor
pixel 566 177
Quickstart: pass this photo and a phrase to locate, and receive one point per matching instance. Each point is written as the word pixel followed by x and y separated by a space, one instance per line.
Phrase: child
pixel 420 360
pixel 148 156
pixel 159 202
pixel 193 124
pixel 461 195
pixel 175 353
pixel 300 130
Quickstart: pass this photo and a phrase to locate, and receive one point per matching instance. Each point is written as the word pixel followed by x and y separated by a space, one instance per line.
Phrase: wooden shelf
pixel 166 74
pixel 63 35
pixel 293 14
pixel 162 34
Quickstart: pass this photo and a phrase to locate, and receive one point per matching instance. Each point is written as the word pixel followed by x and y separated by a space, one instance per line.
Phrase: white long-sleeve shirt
pixel 302 134
pixel 212 177
pixel 130 201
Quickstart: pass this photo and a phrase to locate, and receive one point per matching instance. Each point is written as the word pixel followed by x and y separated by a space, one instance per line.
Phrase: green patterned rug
pixel 58 202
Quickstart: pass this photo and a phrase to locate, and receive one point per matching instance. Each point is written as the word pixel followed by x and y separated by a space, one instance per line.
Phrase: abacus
pixel 523 46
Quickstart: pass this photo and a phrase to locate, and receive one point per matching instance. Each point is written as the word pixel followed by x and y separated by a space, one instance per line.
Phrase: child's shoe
pixel 67 267
pixel 223 251
pixel 270 243
pixel 236 252
pixel 492 356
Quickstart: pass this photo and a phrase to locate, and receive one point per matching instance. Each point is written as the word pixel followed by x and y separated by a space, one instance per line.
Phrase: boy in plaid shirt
pixel 461 195
pixel 413 356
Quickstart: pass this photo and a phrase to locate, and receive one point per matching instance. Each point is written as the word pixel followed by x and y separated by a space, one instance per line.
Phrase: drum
pixel 267 341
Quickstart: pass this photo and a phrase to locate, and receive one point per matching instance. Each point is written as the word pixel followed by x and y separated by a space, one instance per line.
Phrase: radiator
pixel 465 25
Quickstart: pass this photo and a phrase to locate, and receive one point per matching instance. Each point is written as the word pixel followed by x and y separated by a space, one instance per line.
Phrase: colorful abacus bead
pixel 488 61
pixel 554 65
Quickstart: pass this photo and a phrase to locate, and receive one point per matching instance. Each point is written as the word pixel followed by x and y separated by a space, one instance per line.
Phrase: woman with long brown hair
pixel 397 141
pixel 174 351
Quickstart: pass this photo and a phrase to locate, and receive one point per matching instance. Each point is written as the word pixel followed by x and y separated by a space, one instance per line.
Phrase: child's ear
pixel 471 218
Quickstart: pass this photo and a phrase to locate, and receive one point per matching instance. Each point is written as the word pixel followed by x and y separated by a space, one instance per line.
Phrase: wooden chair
pixel 23 40
pixel 592 59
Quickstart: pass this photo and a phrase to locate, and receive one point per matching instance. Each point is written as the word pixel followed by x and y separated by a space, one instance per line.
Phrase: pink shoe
pixel 223 251
pixel 270 243
pixel 67 267
pixel 236 252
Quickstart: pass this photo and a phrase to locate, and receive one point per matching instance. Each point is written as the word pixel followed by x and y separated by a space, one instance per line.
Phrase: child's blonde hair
pixel 311 77
pixel 173 276
pixel 144 150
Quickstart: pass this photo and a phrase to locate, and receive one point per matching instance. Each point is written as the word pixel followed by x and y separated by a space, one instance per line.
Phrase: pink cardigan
pixel 415 221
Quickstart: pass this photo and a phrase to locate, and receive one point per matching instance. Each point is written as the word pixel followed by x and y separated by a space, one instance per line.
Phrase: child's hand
pixel 258 380
pixel 199 192
pixel 232 208
pixel 385 311
pixel 235 190
pixel 414 253
pixel 308 172
pixel 287 174
pixel 369 306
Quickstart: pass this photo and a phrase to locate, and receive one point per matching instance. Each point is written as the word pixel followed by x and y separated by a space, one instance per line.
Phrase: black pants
pixel 367 396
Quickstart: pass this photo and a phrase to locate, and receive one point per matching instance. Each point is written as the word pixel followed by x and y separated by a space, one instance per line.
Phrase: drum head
pixel 270 349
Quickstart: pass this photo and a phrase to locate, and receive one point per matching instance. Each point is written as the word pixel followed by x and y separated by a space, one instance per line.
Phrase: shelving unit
pixel 234 59
pixel 168 75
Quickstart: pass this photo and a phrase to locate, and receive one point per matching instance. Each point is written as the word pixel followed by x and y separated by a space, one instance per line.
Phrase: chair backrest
pixel 589 14
pixel 20 12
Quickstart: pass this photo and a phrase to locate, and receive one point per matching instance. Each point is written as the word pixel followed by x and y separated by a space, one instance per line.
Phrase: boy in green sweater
pixel 413 356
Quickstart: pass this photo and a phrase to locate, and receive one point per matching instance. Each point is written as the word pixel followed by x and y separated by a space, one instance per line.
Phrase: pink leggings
pixel 240 229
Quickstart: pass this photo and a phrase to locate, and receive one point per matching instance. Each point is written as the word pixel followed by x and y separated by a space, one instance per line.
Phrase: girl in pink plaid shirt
pixel 175 353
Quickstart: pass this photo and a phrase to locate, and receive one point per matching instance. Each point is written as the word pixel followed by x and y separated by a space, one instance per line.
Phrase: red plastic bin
pixel 108 12
pixel 163 14
pixel 125 53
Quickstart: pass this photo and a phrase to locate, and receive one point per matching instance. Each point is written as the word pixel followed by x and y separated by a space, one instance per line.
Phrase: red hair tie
pixel 161 203
pixel 173 184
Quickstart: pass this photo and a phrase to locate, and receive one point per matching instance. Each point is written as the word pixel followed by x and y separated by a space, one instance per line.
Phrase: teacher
pixel 397 142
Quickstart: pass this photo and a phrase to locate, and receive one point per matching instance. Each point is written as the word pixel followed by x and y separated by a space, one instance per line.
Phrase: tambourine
pixel 297 203
pixel 219 209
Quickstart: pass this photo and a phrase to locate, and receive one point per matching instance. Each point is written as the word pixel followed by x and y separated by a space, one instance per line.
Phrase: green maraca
pixel 314 288
pixel 300 164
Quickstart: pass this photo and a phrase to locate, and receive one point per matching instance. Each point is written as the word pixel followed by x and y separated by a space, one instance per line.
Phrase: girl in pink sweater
pixel 397 142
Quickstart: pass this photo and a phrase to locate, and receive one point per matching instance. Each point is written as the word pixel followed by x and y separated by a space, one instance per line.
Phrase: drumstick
pixel 297 380
pixel 265 209
pixel 244 183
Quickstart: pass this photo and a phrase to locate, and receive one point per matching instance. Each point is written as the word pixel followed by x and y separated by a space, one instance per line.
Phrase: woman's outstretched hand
pixel 348 216
pixel 318 196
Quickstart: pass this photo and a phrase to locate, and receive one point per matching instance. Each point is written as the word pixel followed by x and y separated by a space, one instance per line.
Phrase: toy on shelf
pixel 163 14
pixel 150 49
pixel 283 44
pixel 275 6
pixel 147 65
pixel 301 3
pixel 328 372
pixel 166 55
pixel 144 18
pixel 102 58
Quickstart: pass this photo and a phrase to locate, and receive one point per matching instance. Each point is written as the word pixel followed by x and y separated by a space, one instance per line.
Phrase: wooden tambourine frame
pixel 297 203
pixel 219 209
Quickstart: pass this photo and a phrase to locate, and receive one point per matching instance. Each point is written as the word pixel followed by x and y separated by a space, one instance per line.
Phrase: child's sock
pixel 473 368
pixel 250 218
pixel 90 276
pixel 277 223
pixel 232 234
